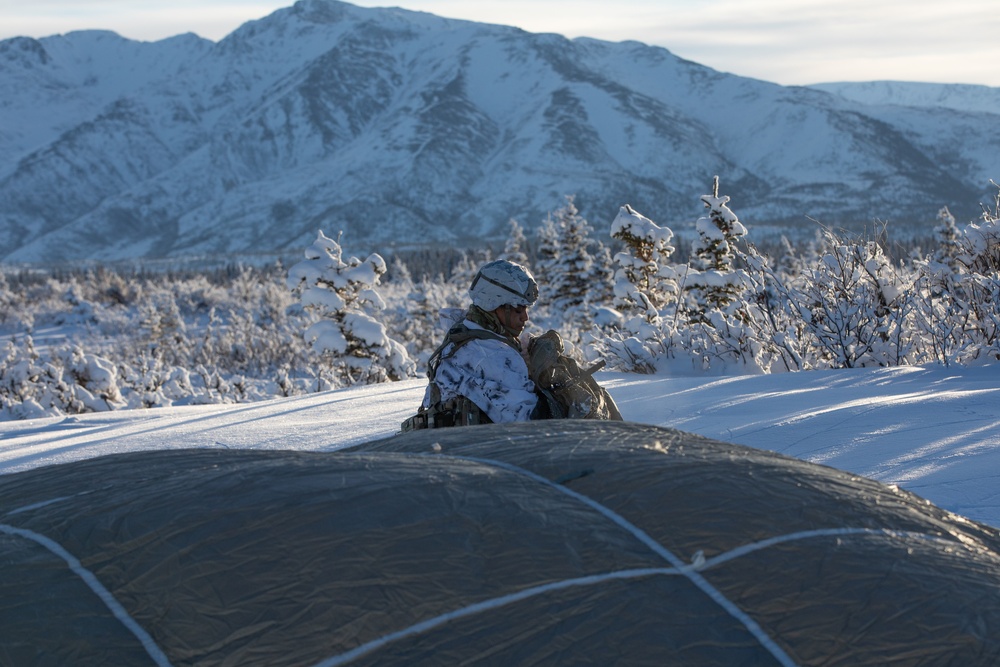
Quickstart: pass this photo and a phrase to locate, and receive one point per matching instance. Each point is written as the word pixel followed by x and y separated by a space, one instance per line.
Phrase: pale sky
pixel 784 41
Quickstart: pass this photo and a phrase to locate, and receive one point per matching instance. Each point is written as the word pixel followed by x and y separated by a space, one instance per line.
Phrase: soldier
pixel 480 375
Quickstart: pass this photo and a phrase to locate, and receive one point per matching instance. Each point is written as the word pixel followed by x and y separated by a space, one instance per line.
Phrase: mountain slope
pixel 958 97
pixel 401 128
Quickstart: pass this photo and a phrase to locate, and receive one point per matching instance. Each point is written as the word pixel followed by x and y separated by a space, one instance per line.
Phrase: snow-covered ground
pixel 932 430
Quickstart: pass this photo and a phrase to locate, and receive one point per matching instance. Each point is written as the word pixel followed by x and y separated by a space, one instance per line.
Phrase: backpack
pixel 570 391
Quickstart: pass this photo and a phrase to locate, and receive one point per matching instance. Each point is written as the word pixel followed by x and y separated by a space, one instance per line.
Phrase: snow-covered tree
pixel 737 306
pixel 25 381
pixel 164 327
pixel 94 380
pixel 644 284
pixel 855 306
pixel 343 293
pixel 981 242
pixel 759 331
pixel 602 291
pixel 516 246
pixel 400 274
pixel 645 280
pixel 948 237
pixel 573 273
pixel 69 381
pixel 547 244
pixel 417 314
pixel 944 317
pixel 715 281
pixel 992 214
pixel 464 271
pixel 958 295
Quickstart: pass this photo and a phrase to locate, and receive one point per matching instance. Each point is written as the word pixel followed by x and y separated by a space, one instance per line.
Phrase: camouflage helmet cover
pixel 501 283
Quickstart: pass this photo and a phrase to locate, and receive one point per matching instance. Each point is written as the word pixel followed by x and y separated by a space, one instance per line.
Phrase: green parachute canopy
pixel 548 543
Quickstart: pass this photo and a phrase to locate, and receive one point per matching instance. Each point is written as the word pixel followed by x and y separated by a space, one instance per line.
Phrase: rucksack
pixel 571 392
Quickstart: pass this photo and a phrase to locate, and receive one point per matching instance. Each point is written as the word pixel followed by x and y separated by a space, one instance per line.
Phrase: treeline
pixel 101 339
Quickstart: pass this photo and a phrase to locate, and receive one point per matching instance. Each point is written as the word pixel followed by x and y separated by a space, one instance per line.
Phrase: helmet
pixel 501 283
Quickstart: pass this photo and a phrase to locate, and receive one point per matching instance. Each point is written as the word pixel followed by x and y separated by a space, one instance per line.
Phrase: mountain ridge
pixel 956 96
pixel 403 128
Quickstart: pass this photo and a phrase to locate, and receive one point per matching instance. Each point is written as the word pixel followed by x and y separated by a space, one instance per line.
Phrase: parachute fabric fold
pixel 559 542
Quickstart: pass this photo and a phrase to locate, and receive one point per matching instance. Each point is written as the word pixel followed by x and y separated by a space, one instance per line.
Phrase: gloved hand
pixel 543 353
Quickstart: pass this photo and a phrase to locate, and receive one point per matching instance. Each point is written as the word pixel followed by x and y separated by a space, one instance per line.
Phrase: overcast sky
pixel 783 41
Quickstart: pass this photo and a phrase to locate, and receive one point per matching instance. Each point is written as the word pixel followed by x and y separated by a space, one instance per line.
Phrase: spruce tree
pixel 715 283
pixel 948 237
pixel 546 266
pixel 645 280
pixel 516 247
pixel 643 286
pixel 464 271
pixel 343 293
pixel 602 290
pixel 573 270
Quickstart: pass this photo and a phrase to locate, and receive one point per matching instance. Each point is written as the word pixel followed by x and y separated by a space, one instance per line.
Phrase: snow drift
pixel 540 543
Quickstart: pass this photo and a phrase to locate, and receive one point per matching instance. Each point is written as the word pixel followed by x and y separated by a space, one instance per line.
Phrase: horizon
pixel 778 41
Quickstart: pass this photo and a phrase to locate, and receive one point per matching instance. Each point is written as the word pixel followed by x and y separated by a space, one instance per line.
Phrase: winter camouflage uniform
pixel 479 374
pixel 487 370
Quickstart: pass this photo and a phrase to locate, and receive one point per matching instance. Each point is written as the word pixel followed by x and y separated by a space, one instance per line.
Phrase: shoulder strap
pixel 459 335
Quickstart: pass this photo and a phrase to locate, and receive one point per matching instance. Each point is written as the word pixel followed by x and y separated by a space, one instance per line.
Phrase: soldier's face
pixel 513 317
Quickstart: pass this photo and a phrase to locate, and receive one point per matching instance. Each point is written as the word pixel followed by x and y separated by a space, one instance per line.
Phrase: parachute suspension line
pixel 119 612
pixel 504 600
pixel 679 568
pixel 684 568
pixel 44 503
pixel 486 605
pixel 822 532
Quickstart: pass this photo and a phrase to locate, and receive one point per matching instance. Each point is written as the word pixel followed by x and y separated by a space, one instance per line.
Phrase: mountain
pixel 958 97
pixel 403 129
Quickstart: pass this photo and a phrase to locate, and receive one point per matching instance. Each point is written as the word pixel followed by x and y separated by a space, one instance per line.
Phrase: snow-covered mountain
pixel 959 97
pixel 402 128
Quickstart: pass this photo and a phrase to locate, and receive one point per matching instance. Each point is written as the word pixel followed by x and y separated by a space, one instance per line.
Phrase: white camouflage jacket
pixel 491 374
